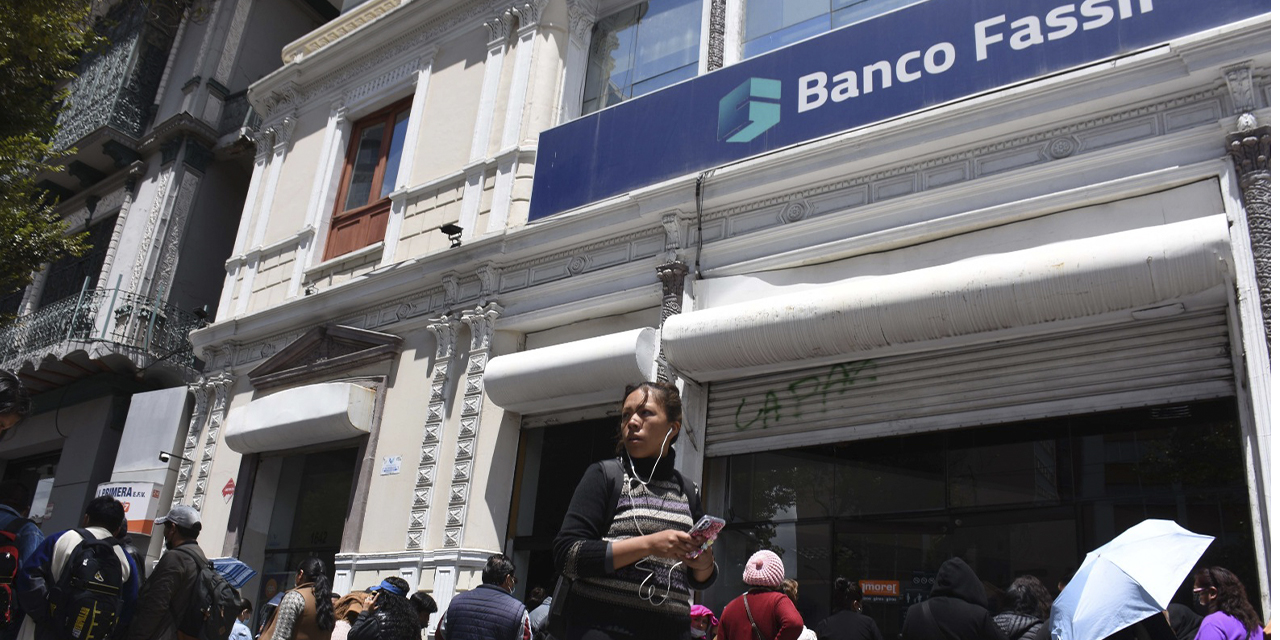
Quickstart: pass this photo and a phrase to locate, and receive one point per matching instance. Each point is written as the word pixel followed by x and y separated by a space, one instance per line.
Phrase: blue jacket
pixel 29 537
pixel 37 574
pixel 487 612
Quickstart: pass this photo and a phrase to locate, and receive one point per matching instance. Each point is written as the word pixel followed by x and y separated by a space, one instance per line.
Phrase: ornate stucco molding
pixel 445 330
pixel 221 383
pixel 1250 149
pixel 481 321
pixel 199 415
pixel 672 275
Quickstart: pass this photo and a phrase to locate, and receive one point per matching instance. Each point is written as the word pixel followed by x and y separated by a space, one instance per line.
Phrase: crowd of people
pixel 628 568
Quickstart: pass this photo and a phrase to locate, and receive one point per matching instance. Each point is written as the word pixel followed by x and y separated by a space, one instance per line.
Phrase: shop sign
pixel 880 590
pixel 141 502
pixel 914 58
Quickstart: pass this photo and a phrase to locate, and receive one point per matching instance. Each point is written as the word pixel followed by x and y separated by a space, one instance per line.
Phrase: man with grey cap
pixel 167 591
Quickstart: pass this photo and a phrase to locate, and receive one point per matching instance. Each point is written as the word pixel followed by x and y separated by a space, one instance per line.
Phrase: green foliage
pixel 40 43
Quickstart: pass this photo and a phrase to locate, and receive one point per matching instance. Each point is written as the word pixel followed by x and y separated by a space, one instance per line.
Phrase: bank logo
pixel 750 110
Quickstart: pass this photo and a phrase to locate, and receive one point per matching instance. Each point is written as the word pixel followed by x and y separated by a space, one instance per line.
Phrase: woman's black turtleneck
pixel 610 504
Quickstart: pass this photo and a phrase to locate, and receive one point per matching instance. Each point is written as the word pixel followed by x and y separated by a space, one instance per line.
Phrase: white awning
pixel 574 374
pixel 1125 271
pixel 301 416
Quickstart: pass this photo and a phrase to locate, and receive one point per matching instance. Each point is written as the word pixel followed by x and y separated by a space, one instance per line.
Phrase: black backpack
pixel 85 603
pixel 10 564
pixel 214 604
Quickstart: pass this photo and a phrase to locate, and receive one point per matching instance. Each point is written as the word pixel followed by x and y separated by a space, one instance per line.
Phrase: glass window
pixel 372 164
pixel 771 24
pixel 641 49
pixel 1026 498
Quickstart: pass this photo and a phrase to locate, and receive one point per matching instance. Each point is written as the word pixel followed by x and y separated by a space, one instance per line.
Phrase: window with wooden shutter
pixel 368 177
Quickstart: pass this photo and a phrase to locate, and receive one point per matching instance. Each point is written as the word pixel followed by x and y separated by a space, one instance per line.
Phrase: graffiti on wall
pixel 806 395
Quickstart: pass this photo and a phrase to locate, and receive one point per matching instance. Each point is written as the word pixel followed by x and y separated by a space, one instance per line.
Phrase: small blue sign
pixel 917 57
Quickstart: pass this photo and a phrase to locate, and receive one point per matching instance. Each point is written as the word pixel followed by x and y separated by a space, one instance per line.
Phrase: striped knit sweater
pixel 583 547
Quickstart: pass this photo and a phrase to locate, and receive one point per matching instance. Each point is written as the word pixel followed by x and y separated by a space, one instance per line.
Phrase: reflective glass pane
pixel 368 147
pixel 851 11
pixel 767 16
pixel 394 153
pixel 640 49
pixel 611 56
pixel 666 38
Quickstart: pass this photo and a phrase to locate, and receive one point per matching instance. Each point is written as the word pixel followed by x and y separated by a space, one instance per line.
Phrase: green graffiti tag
pixel 806 393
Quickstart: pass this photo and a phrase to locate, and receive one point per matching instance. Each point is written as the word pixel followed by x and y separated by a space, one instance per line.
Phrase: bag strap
pixel 613 474
pixel 759 636
pixel 15 526
pixel 928 614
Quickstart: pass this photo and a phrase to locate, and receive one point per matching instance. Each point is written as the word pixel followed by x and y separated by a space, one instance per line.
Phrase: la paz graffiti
pixel 807 394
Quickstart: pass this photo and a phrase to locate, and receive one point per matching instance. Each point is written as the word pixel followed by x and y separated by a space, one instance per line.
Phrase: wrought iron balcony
pixel 116 86
pixel 101 322
pixel 237 114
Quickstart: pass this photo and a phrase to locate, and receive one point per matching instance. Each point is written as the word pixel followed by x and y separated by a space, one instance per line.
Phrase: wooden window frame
pixel 371 216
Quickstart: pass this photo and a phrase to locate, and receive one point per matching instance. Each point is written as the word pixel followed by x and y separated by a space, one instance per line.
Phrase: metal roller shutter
pixel 1134 364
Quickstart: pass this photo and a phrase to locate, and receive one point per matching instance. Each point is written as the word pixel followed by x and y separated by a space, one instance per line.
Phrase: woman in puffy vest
pixel 306 612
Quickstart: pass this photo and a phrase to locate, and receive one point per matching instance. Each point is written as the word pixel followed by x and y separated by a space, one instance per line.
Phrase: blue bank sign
pixel 917 57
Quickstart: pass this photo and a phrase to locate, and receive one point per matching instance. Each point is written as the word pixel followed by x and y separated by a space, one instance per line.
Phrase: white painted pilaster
pixel 581 20
pixel 499 28
pixel 513 123
pixel 328 169
pixel 282 132
pixel 412 138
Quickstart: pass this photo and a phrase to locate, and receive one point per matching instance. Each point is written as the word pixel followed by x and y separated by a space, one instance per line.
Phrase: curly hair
pixel 1029 596
pixel 1232 598
pixel 668 397
pixel 397 617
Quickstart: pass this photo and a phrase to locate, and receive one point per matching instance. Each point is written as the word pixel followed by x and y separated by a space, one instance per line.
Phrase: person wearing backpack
pixel 80 584
pixel 19 538
pixel 167 593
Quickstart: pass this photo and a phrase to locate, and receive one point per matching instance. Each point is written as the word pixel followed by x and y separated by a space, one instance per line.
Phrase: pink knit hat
pixel 764 569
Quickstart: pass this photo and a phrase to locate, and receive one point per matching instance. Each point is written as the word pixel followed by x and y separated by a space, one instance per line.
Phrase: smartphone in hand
pixel 705 532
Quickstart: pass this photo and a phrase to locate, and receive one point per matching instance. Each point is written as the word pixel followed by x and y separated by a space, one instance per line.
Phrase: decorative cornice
pixel 337 29
pixel 528 12
pixel 499 28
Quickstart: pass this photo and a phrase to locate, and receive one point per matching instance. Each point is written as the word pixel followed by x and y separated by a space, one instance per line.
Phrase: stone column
pixel 445 330
pixel 481 320
pixel 200 389
pixel 221 383
pixel 1250 148
pixel 499 30
pixel 672 275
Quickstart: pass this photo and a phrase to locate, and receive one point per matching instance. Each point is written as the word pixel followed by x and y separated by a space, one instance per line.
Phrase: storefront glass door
pixel 1026 498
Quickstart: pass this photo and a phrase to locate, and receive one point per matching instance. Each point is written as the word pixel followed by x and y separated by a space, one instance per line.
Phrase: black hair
pixel 105 512
pixel 847 592
pixel 1232 598
pixel 423 603
pixel 245 605
pixel 15 494
pixel 668 399
pixel 400 617
pixel 1027 595
pixel 497 569
pixel 313 571
pixel 536 595
pixel 14 397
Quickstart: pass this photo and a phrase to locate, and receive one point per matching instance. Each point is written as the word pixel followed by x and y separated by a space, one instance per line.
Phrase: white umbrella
pixel 1126 580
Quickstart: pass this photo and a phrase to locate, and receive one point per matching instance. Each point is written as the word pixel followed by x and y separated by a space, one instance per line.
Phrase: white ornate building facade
pixel 162 138
pixel 1003 325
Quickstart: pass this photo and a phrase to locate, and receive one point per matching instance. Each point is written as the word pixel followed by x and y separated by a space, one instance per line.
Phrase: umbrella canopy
pixel 1126 580
pixel 237 573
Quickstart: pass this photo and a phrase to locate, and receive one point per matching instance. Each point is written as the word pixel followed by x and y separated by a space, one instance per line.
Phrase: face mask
pixel 699 633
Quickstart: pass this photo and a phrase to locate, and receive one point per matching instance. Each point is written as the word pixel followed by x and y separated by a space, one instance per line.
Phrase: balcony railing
pixel 237 114
pixel 145 329
pixel 117 85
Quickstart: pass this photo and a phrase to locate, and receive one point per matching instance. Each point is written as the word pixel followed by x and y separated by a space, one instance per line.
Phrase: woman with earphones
pixel 624 542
